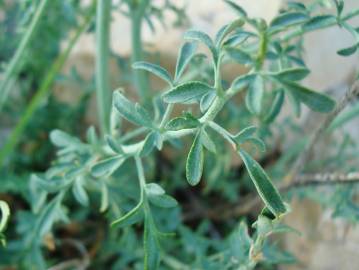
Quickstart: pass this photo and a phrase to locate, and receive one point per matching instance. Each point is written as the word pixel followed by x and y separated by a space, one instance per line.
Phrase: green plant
pixel 93 177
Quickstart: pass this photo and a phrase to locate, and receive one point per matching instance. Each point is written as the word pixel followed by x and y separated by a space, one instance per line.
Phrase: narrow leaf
pixel 207 100
pixel 240 11
pixel 227 29
pixel 153 189
pixel 242 81
pixel 154 69
pixel 318 22
pixel 207 142
pixel 194 164
pixel 291 74
pixel 5 214
pixel 244 134
pixel 151 245
pixel 263 184
pixel 239 56
pixel 183 122
pixel 163 201
pixel 133 113
pixel 288 19
pixel 316 101
pixel 348 51
pixel 107 166
pixel 276 107
pixel 254 97
pixel 79 192
pixel 185 55
pixel 204 38
pixel 131 217
pixel 187 92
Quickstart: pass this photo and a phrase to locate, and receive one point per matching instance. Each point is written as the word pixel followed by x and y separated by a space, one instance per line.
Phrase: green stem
pixel 102 69
pixel 16 61
pixel 42 92
pixel 140 77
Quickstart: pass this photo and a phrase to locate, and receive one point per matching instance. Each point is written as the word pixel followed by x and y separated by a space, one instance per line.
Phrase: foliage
pixel 89 193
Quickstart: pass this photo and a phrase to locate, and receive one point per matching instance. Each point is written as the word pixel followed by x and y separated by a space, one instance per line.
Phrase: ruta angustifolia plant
pixel 107 164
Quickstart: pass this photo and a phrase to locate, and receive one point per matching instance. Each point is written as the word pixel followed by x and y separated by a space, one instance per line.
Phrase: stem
pixel 140 171
pixel 42 91
pixel 304 156
pixel 16 61
pixel 166 115
pixel 140 77
pixel 102 57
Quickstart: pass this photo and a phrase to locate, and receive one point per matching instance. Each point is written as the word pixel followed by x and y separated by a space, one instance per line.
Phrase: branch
pixel 249 202
pixel 304 156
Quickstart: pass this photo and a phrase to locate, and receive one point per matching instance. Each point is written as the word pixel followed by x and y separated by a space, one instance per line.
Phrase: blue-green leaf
pixel 291 74
pixel 79 191
pixel 227 29
pixel 154 69
pixel 242 81
pixel 239 55
pixel 254 97
pixel 205 39
pixel 195 160
pixel 276 107
pixel 131 217
pixel 244 134
pixel 316 101
pixel 207 142
pixel 240 11
pixel 163 201
pixel 183 122
pixel 130 111
pixel 289 19
pixel 348 51
pixel 185 55
pixel 318 22
pixel 151 245
pixel 187 92
pixel 263 184
pixel 5 214
pixel 107 166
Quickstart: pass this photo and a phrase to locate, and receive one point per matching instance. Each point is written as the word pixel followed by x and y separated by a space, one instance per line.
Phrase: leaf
pixel 91 136
pixel 107 166
pixel 348 51
pixel 238 38
pixel 133 113
pixel 62 139
pixel 79 192
pixel 276 107
pixel 154 69
pixel 131 217
pixel 288 19
pixel 205 39
pixel 291 74
pixel 194 164
pixel 254 97
pixel 316 101
pixel 239 56
pixel 318 22
pixel 104 197
pixel 187 92
pixel 115 147
pixel 185 55
pixel 151 245
pixel 240 243
pixel 207 142
pixel 5 214
pixel 263 184
pixel 244 134
pixel 149 143
pixel 163 201
pixel 227 29
pixel 242 81
pixel 207 100
pixel 153 189
pixel 183 122
pixel 47 217
pixel 240 11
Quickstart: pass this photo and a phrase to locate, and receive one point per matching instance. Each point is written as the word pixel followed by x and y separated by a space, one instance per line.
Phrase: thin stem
pixel 42 91
pixel 16 61
pixel 303 157
pixel 102 69
pixel 140 171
